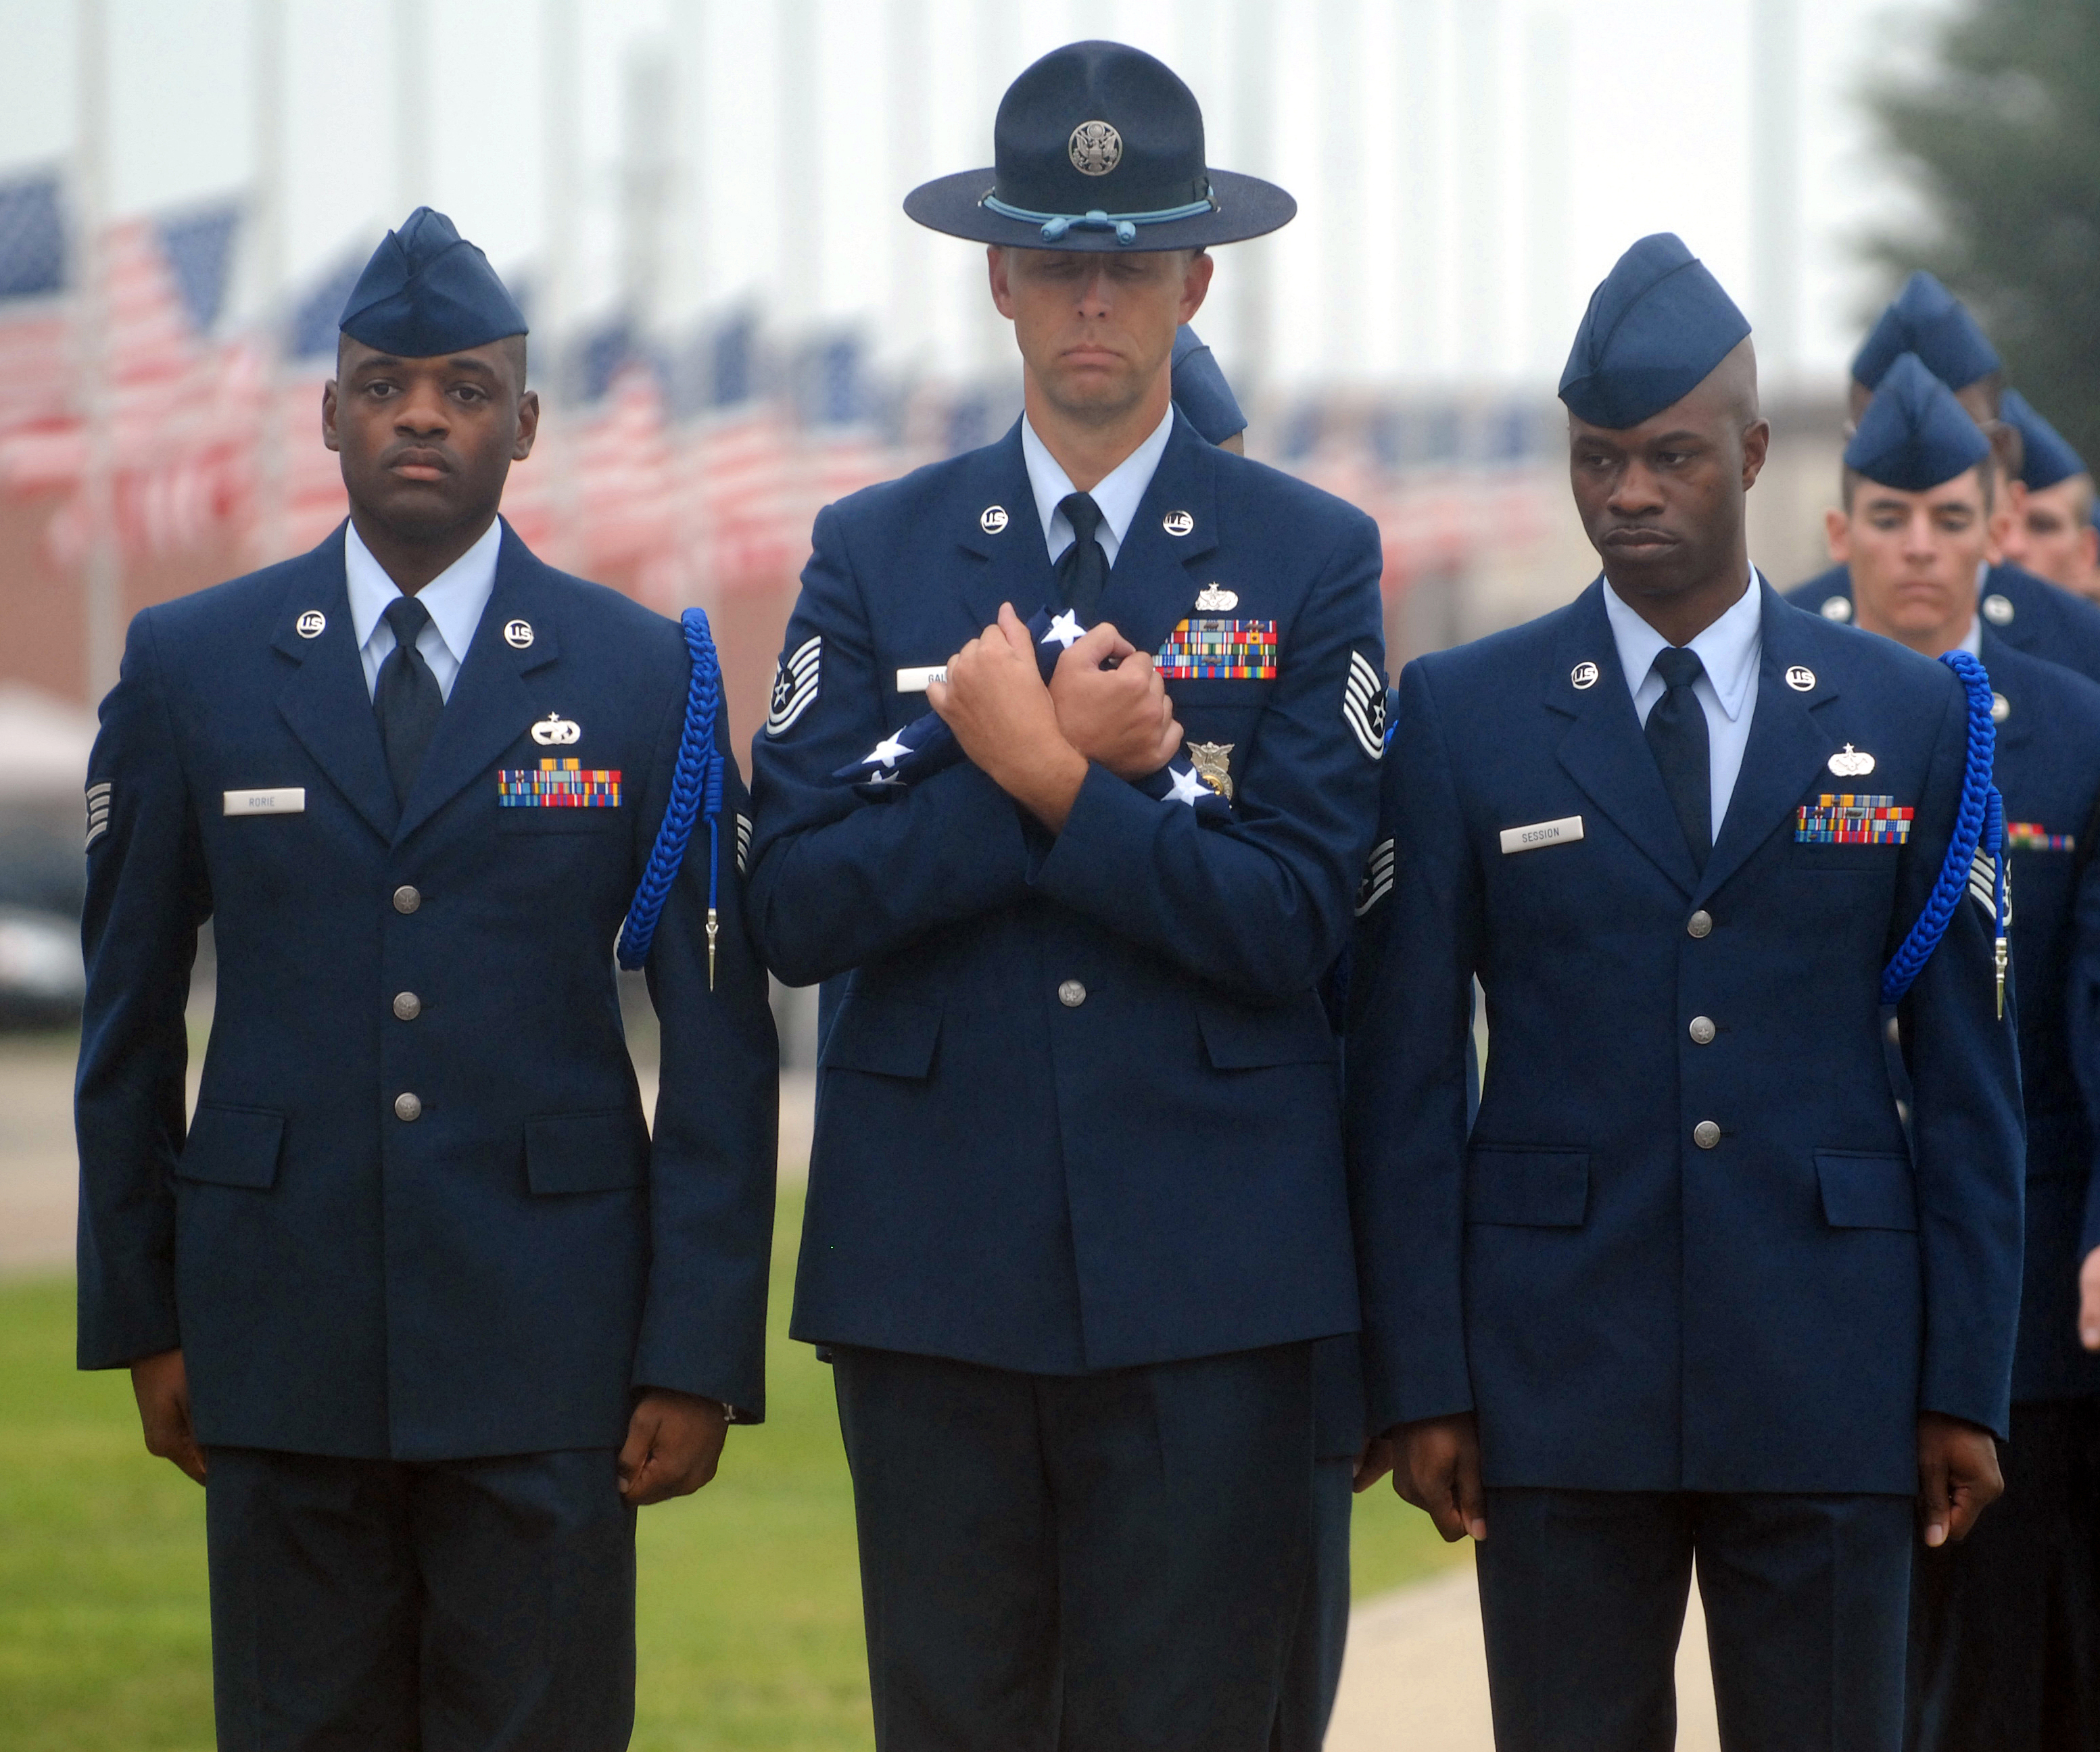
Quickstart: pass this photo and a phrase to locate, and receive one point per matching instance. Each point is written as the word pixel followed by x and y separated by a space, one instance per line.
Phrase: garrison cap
pixel 1654 332
pixel 2048 458
pixel 427 290
pixel 1927 320
pixel 1201 391
pixel 1914 436
pixel 1099 146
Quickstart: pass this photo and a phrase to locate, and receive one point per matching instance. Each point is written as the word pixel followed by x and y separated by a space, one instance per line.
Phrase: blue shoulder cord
pixel 1979 823
pixel 696 789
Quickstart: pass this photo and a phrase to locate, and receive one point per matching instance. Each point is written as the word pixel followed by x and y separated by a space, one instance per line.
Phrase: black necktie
pixel 1083 569
pixel 406 696
pixel 1676 734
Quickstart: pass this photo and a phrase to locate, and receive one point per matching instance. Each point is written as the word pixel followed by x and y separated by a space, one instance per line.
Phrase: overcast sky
pixel 1466 170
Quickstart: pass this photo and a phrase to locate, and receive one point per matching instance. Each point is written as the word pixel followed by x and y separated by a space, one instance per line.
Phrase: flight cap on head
pixel 1926 319
pixel 1914 436
pixel 1654 332
pixel 2048 458
pixel 1099 146
pixel 1201 391
pixel 427 290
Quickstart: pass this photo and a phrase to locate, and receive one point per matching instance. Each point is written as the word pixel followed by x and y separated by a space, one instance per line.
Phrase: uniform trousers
pixel 1089 1562
pixel 1582 1598
pixel 1312 1672
pixel 357 1606
pixel 2005 1626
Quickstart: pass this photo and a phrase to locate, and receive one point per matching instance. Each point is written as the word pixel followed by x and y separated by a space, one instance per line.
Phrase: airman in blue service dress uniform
pixel 1688 1293
pixel 1076 1204
pixel 417 1295
pixel 2051 532
pixel 2006 1627
pixel 2026 612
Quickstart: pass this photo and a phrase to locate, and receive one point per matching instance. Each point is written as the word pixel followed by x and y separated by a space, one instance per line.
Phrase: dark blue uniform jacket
pixel 1624 1309
pixel 1152 1169
pixel 2037 617
pixel 496 1275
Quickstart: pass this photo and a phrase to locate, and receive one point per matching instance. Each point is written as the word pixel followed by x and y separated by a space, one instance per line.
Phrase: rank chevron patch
pixel 1983 886
pixel 1363 704
pixel 743 844
pixel 795 685
pixel 1378 877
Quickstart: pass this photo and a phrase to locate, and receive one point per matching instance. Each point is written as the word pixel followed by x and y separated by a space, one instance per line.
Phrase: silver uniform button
pixel 1998 610
pixel 407 1006
pixel 1700 923
pixel 406 899
pixel 1707 1134
pixel 408 1107
pixel 1071 994
pixel 1702 1031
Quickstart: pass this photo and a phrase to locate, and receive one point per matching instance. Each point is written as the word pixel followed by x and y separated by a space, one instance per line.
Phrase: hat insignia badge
pixel 1213 764
pixel 1851 762
pixel 1215 599
pixel 554 731
pixel 311 624
pixel 1096 148
pixel 1583 676
pixel 992 519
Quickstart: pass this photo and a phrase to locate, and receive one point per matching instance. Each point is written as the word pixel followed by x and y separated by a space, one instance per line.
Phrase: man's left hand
pixel 996 703
pixel 1957 1475
pixel 674 1442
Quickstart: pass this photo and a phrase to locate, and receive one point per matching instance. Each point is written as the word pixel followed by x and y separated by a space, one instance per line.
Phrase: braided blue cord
pixel 696 790
pixel 1980 813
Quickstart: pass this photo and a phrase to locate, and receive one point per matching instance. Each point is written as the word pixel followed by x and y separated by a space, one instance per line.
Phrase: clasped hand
pixel 1035 742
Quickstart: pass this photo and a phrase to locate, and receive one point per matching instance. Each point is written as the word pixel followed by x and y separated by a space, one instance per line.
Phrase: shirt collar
pixel 1972 641
pixel 1118 491
pixel 1727 649
pixel 454 597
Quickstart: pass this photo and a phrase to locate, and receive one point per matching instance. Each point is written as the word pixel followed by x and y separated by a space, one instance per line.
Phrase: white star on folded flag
pixel 1187 787
pixel 889 750
pixel 1065 629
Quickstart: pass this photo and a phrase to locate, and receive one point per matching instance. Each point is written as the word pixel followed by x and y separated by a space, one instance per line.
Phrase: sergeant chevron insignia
pixel 1378 877
pixel 743 844
pixel 98 811
pixel 1363 705
pixel 1213 764
pixel 795 685
pixel 1983 886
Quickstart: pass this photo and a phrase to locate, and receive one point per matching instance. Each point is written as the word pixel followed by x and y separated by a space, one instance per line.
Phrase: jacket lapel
pixel 1787 746
pixel 1017 566
pixel 1604 750
pixel 491 706
pixel 1149 590
pixel 324 698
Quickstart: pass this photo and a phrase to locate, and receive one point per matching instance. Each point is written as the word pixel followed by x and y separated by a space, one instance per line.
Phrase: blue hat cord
pixel 696 791
pixel 1979 824
pixel 1124 225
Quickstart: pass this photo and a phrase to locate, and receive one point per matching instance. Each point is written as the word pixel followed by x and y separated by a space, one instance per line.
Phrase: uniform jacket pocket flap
pixel 884 1036
pixel 1541 1189
pixel 232 1147
pixel 586 1152
pixel 1866 1190
pixel 1242 1037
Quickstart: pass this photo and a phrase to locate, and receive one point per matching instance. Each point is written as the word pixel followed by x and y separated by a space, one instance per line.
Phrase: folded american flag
pixel 926 746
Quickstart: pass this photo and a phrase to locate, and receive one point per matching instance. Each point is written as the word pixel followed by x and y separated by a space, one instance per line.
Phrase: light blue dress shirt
pixel 454 597
pixel 1118 495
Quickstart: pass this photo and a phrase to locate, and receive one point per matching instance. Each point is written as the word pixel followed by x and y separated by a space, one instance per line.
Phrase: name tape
pixel 292 801
pixel 917 680
pixel 1567 829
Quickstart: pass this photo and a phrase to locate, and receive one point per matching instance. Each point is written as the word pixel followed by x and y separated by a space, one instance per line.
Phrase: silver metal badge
pixel 1213 764
pixel 1838 608
pixel 554 731
pixel 1177 523
pixel 1363 705
pixel 1998 610
pixel 311 624
pixel 1096 148
pixel 518 633
pixel 1851 762
pixel 2002 708
pixel 992 519
pixel 1801 678
pixel 1584 674
pixel 1214 598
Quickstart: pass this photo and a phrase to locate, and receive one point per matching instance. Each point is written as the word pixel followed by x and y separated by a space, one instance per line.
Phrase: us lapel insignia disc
pixel 2002 708
pixel 1998 610
pixel 518 634
pixel 311 624
pixel 992 519
pixel 1851 762
pixel 1583 676
pixel 1177 523
pixel 1213 764
pixel 1838 608
pixel 1801 678
pixel 1214 598
pixel 554 731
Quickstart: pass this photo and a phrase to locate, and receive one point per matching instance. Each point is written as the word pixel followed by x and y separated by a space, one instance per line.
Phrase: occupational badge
pixel 554 731
pixel 1096 148
pixel 1215 599
pixel 1213 764
pixel 1851 762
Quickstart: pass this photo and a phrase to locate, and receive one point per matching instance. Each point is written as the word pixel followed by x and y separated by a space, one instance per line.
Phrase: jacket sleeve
pixel 1967 1123
pixel 837 881
pixel 714 1150
pixel 147 896
pixel 1410 1002
pixel 2082 1016
pixel 1260 905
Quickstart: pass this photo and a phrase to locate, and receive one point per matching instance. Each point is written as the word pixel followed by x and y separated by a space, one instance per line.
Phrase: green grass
pixel 750 1604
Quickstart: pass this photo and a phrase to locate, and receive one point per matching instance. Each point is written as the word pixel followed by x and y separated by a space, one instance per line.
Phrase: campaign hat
pixel 427 290
pixel 1099 146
